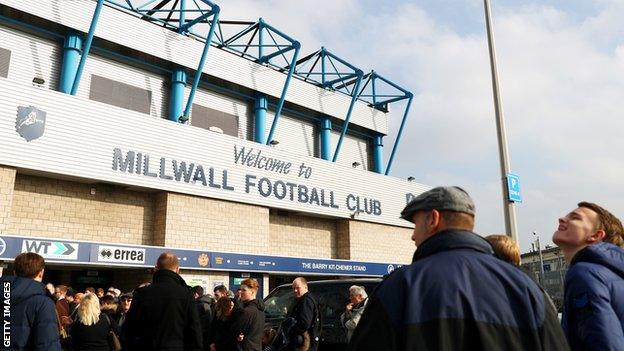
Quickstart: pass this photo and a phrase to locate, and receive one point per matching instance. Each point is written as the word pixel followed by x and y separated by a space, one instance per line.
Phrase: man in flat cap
pixel 456 295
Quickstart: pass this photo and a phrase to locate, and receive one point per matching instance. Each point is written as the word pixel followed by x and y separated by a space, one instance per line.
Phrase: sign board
pixel 93 253
pixel 513 188
pixel 104 143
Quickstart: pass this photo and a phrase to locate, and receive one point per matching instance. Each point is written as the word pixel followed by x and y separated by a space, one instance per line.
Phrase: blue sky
pixel 561 66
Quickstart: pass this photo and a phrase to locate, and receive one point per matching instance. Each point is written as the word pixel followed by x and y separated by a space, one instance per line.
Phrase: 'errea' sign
pixel 119 254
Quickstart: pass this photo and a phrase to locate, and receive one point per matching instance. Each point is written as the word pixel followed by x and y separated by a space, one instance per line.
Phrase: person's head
pixel 125 300
pixel 198 292
pixel 438 209
pixel 90 290
pixel 220 291
pixel 60 291
pixel 78 298
pixel 99 292
pixel 29 265
pixel 268 336
pixel 586 225
pixel 168 261
pixel 248 289
pixel 300 287
pixel 505 248
pixel 357 294
pixel 224 308
pixel 89 310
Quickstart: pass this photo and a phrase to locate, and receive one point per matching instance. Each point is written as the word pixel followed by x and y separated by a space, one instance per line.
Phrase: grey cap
pixel 442 198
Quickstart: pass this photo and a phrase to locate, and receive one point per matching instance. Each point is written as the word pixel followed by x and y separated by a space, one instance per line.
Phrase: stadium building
pixel 129 128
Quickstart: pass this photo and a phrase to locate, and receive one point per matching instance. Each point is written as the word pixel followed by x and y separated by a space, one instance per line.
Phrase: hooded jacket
pixel 249 321
pixel 163 316
pixel 34 323
pixel 457 295
pixel 593 311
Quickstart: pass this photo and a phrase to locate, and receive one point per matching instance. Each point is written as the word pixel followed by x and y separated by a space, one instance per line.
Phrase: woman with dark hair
pixel 249 323
pixel 223 337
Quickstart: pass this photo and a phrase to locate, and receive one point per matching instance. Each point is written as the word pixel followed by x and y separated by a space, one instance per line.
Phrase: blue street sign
pixel 513 188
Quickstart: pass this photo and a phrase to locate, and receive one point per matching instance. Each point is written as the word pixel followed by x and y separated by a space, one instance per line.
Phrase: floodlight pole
pixel 509 206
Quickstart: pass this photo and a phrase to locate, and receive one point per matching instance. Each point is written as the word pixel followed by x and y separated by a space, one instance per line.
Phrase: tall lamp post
pixel 509 206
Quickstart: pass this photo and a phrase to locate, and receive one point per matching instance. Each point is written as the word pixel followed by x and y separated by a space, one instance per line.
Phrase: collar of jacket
pixel 452 239
pixel 163 275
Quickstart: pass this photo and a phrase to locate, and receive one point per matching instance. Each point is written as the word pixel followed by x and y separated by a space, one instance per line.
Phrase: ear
pixel 433 219
pixel 597 236
pixel 39 276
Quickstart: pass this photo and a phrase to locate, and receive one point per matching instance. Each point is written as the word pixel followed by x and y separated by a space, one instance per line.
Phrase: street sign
pixel 513 188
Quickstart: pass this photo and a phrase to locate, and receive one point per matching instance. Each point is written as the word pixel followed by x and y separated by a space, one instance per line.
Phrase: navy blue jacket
pixel 593 312
pixel 457 295
pixel 34 325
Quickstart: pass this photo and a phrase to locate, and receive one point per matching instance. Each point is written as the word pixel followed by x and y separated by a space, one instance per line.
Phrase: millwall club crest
pixel 30 122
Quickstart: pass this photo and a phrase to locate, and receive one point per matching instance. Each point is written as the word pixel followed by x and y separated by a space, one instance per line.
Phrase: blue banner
pixel 81 252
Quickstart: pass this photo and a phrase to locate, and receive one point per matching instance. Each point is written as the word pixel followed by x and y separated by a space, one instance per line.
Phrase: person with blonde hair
pixel 91 327
pixel 505 248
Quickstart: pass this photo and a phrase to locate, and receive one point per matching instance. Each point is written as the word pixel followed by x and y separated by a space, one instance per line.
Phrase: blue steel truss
pixel 262 43
pixel 330 71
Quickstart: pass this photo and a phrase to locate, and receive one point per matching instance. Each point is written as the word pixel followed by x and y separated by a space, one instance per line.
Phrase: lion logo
pixel 30 122
pixel 203 260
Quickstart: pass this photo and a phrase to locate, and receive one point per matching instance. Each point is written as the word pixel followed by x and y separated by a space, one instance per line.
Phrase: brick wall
pixel 302 236
pixel 380 243
pixel 57 208
pixel 195 222
pixel 7 183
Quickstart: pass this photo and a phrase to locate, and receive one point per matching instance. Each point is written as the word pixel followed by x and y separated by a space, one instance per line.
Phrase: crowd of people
pixel 164 314
pixel 461 292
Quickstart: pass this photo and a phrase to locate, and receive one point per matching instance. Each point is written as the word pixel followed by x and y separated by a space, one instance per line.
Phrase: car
pixel 331 295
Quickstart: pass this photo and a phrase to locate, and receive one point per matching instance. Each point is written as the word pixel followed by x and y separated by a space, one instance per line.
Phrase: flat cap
pixel 442 198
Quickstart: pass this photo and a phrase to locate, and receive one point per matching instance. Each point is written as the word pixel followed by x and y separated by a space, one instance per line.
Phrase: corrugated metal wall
pixel 294 134
pixel 32 57
pixel 111 69
pixel 354 149
pixel 239 108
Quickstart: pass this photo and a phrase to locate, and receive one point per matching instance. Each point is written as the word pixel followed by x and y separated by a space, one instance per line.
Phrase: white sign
pixel 120 254
pixel 51 249
pixel 104 143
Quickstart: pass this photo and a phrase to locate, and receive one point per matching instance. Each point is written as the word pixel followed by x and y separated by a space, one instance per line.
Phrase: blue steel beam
pixel 378 153
pixel 87 46
pixel 398 138
pixel 346 122
pixel 71 58
pixel 200 68
pixel 325 136
pixel 280 104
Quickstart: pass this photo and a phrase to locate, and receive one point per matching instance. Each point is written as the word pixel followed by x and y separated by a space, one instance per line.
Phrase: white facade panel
pixel 293 134
pixel 31 57
pixel 353 149
pixel 80 138
pixel 115 25
pixel 123 73
pixel 239 108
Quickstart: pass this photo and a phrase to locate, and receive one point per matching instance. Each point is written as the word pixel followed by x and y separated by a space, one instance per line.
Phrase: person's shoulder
pixel 586 274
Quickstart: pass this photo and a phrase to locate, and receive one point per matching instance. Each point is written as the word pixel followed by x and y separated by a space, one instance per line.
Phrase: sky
pixel 561 71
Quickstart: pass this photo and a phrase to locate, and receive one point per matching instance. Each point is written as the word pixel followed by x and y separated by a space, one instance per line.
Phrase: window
pixel 5 59
pixel 205 117
pixel 119 94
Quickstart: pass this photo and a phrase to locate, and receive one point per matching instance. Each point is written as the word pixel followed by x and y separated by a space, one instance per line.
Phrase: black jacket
pixel 305 312
pixel 91 338
pixel 34 323
pixel 457 295
pixel 249 321
pixel 163 316
pixel 222 335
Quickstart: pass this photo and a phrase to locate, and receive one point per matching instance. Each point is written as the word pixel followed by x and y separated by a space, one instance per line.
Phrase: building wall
pixel 31 57
pixel 7 183
pixel 353 149
pixel 380 243
pixel 302 236
pixel 239 108
pixel 195 222
pixel 48 207
pixel 294 134
pixel 121 72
